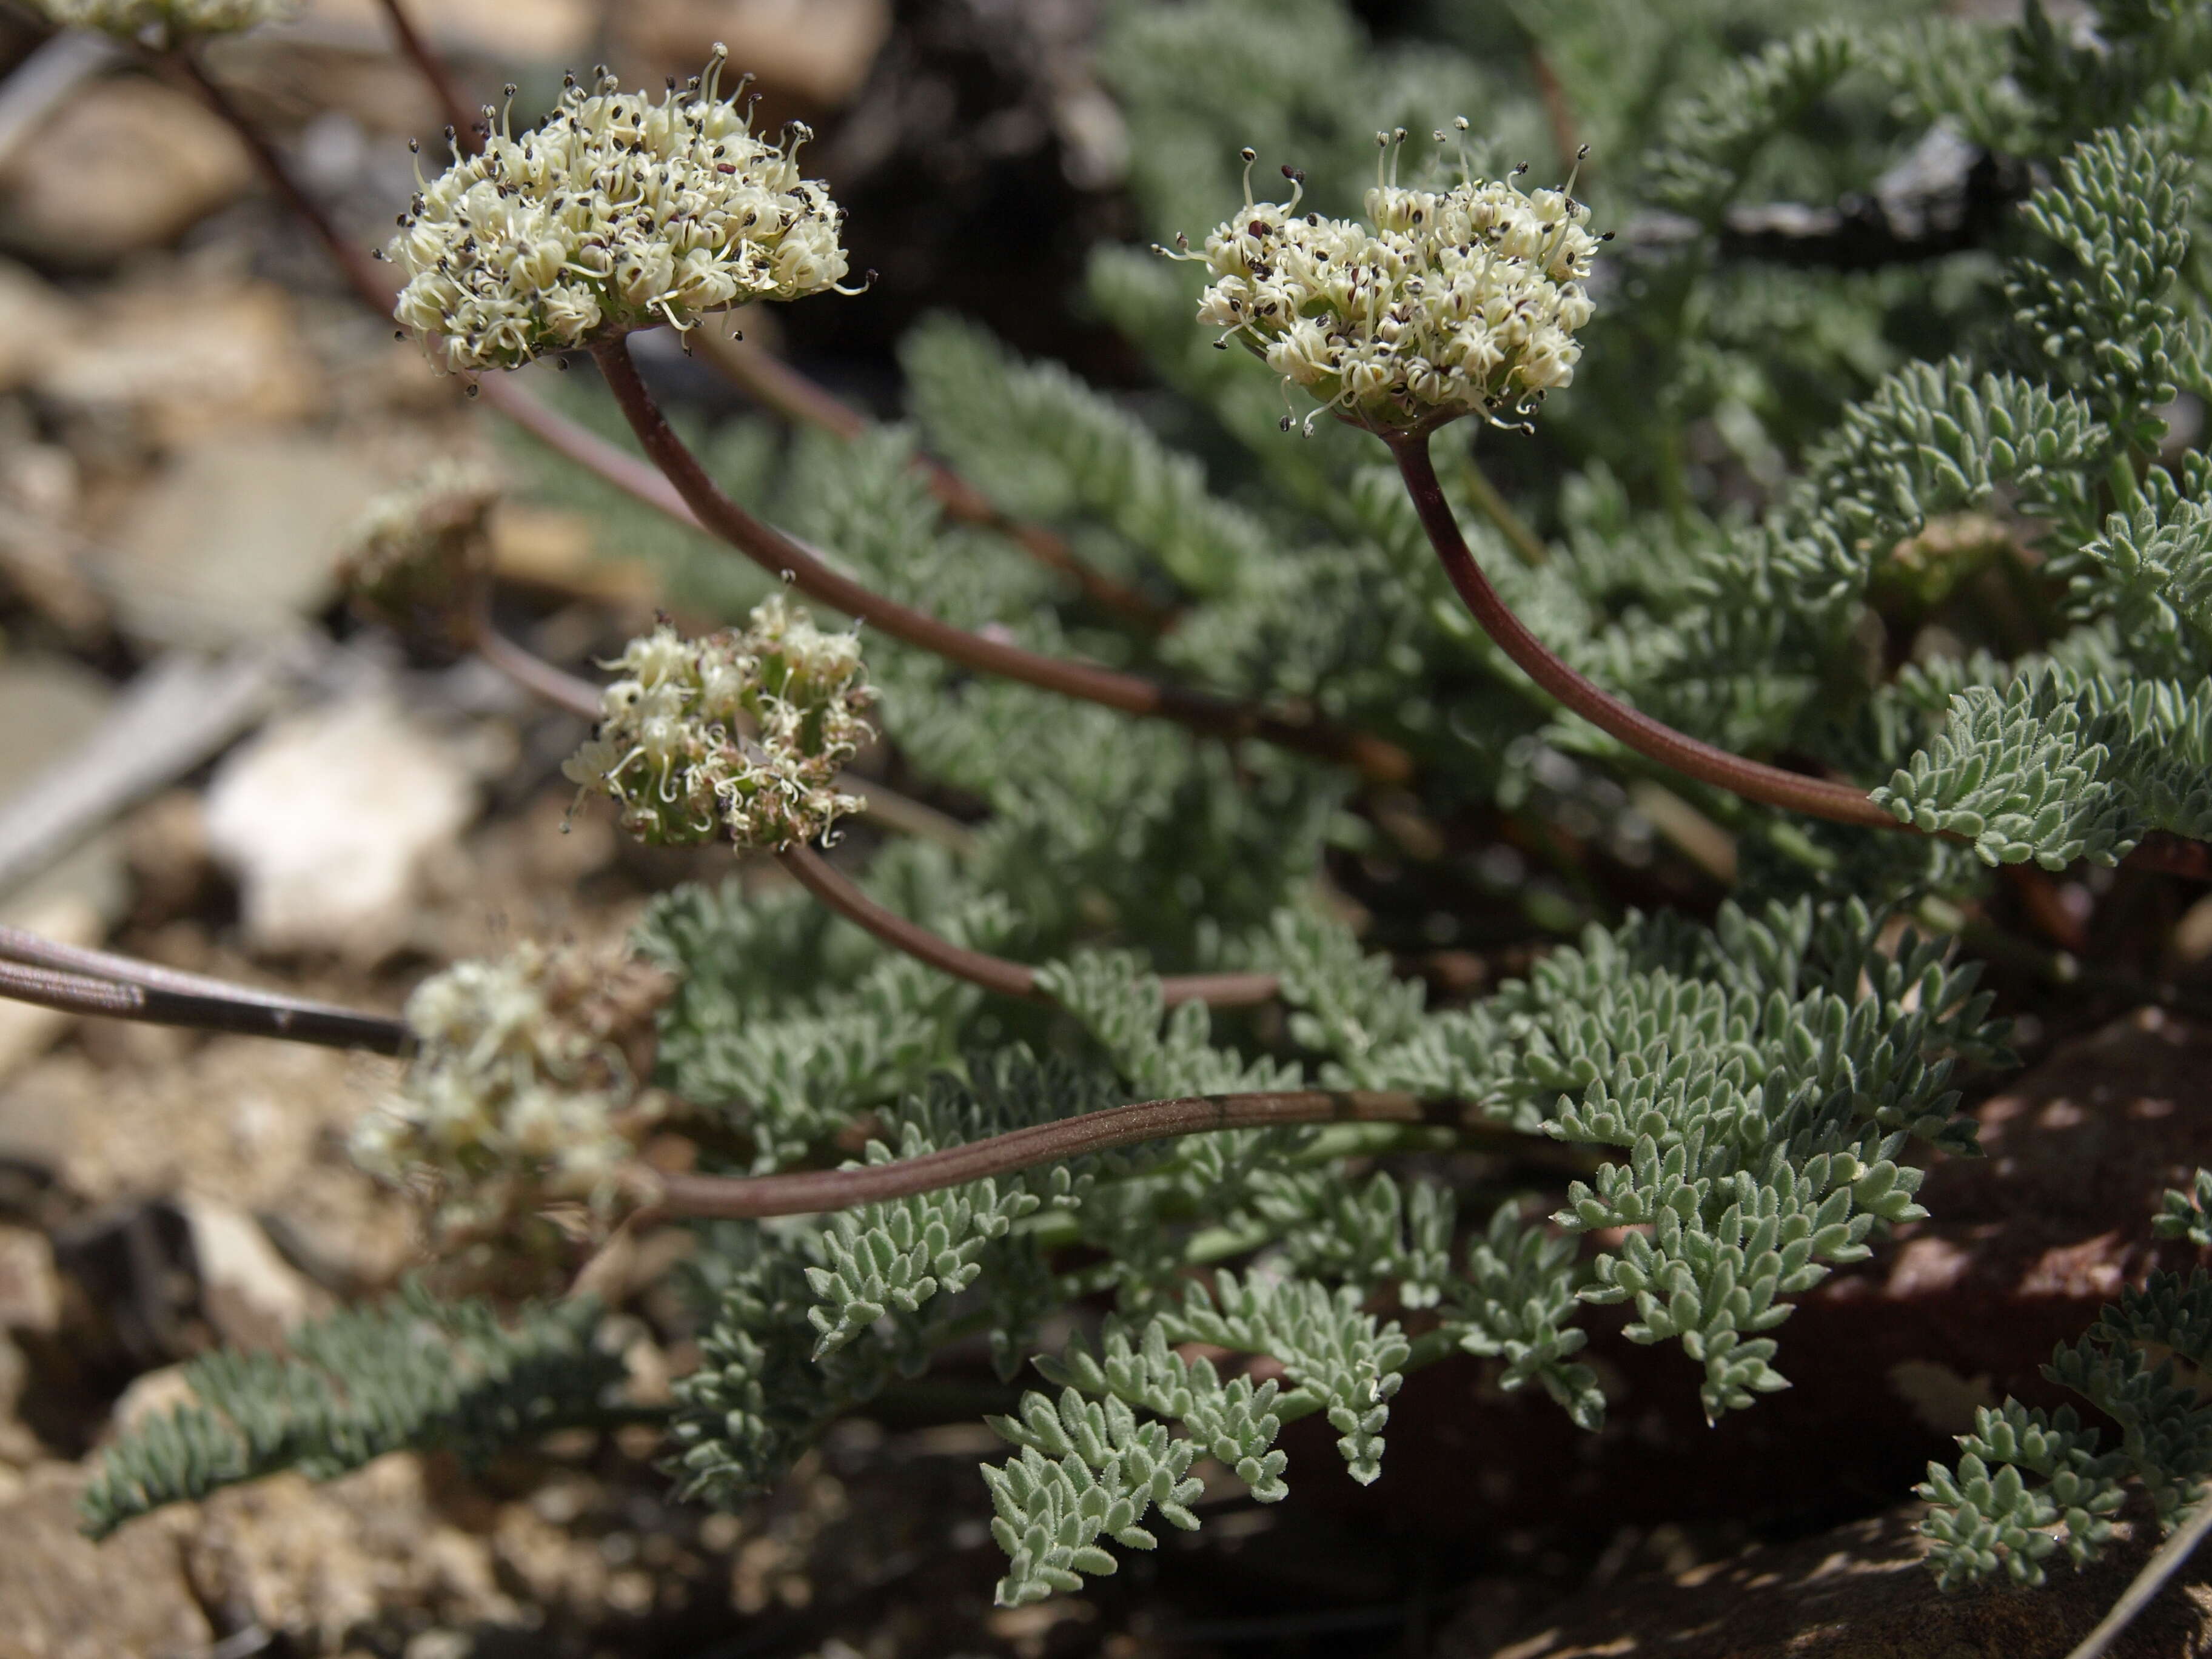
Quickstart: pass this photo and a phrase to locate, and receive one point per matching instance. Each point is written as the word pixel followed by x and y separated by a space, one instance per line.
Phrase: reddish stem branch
pixel 249 1013
pixel 2159 850
pixel 776 384
pixel 777 553
pixel 459 118
pixel 34 950
pixel 816 875
pixel 812 1192
pixel 1011 979
pixel 1842 802
pixel 820 877
pixel 1557 111
pixel 358 269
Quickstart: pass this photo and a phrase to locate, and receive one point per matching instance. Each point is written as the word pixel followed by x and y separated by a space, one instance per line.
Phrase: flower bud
pixel 420 561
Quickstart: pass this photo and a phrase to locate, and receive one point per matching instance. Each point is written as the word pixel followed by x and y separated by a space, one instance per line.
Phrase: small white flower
pixel 737 734
pixel 519 1092
pixel 619 212
pixel 161 24
pixel 1457 302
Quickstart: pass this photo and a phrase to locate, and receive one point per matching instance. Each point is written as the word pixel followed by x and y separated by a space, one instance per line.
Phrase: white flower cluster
pixel 618 213
pixel 737 733
pixel 517 1093
pixel 420 558
pixel 160 24
pixel 1457 302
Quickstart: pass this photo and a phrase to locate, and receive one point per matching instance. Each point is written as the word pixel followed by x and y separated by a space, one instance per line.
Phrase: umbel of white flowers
pixel 618 212
pixel 739 732
pixel 517 1093
pixel 160 24
pixel 1457 302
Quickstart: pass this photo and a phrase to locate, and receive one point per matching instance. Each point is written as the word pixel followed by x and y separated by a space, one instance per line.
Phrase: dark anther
pixel 1249 154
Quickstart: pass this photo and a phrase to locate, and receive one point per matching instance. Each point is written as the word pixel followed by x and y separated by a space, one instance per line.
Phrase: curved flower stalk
pixel 161 25
pixel 618 213
pixel 523 1090
pixel 1452 302
pixel 738 733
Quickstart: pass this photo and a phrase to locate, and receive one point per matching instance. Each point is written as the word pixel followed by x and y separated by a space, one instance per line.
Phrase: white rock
pixel 236 538
pixel 327 820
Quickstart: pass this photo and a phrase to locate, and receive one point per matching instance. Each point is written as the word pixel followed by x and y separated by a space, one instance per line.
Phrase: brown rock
pixel 32 317
pixel 185 359
pixel 314 1561
pixel 249 1293
pixel 820 50
pixel 328 819
pixel 1860 1592
pixel 126 164
pixel 259 1126
pixel 67 1597
pixel 237 540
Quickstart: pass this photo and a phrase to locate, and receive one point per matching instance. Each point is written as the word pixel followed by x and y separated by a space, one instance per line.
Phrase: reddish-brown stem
pixel 223 1008
pixel 358 269
pixel 820 877
pixel 1557 111
pixel 417 50
pixel 813 1191
pixel 632 477
pixel 776 384
pixel 780 555
pixel 1842 802
pixel 1011 979
pixel 35 950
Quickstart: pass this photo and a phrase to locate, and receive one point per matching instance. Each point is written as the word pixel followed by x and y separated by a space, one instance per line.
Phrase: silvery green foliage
pixel 1046 446
pixel 412 1372
pixel 901 1253
pixel 1159 1051
pixel 1749 1092
pixel 1763 1105
pixel 2096 307
pixel 1936 438
pixel 2057 767
pixel 1343 1359
pixel 760 1394
pixel 2028 1483
pixel 1085 1469
pixel 1515 1302
pixel 1711 142
pixel 2188 1215
pixel 788 1021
